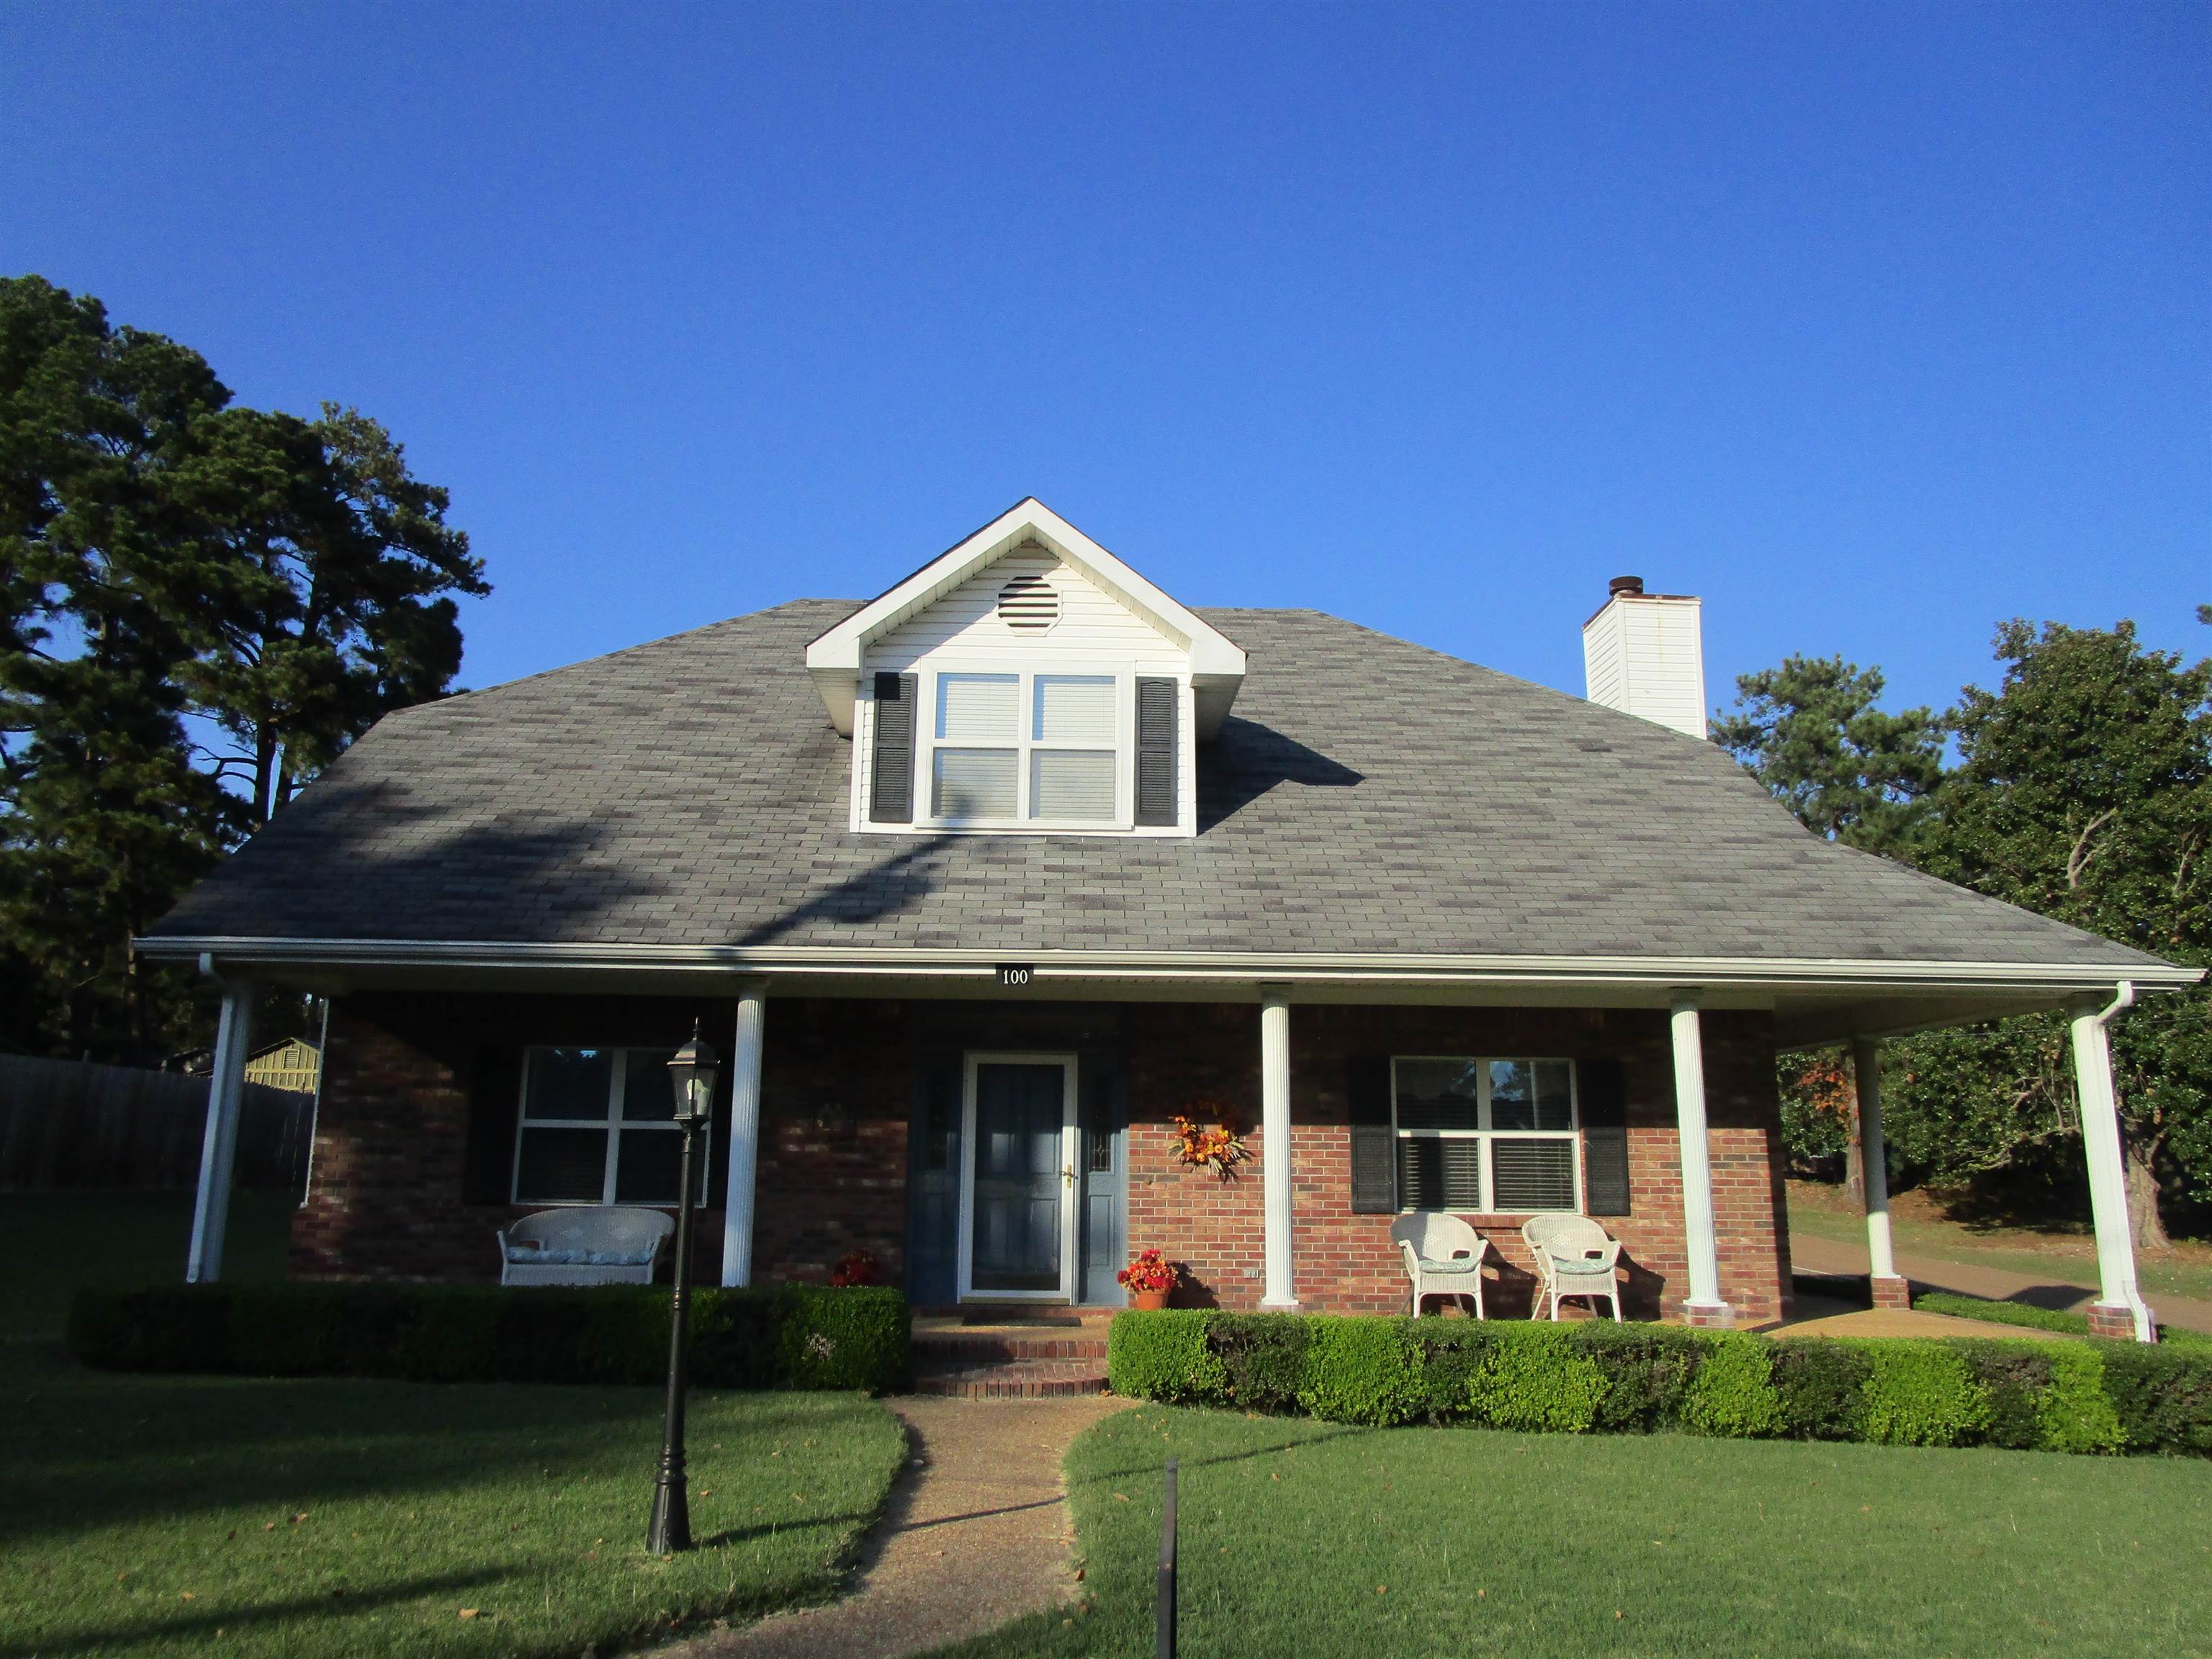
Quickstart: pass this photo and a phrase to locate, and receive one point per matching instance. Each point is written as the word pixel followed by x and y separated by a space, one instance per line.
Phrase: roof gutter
pixel 1241 967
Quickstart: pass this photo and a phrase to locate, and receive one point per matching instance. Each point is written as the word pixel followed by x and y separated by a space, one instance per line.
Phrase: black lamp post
pixel 692 1073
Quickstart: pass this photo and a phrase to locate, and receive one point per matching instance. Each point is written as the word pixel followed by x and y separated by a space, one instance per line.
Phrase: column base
pixel 2113 1320
pixel 1892 1292
pixel 1709 1315
pixel 1270 1305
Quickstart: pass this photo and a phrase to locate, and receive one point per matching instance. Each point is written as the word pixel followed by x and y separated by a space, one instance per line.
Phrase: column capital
pixel 1685 997
pixel 1273 990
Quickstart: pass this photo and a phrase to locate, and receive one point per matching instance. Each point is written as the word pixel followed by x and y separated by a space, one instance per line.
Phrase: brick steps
pixel 1020 1379
pixel 1009 1359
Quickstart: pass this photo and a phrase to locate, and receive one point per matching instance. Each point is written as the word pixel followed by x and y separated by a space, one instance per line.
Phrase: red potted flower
pixel 1150 1278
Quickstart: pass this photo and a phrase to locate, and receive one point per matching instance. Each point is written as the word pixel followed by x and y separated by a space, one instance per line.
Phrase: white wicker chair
pixel 1574 1256
pixel 591 1244
pixel 1444 1256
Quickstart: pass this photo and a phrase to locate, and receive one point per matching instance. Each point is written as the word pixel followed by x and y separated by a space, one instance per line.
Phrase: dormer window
pixel 1028 748
pixel 1025 682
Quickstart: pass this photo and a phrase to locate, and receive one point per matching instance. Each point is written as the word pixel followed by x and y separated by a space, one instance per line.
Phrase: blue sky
pixel 1871 324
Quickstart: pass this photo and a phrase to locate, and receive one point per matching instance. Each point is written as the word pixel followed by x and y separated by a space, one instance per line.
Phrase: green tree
pixel 330 602
pixel 1812 731
pixel 166 555
pixel 103 819
pixel 2084 790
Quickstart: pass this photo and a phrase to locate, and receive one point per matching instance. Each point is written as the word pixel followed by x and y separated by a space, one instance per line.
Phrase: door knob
pixel 1067 1174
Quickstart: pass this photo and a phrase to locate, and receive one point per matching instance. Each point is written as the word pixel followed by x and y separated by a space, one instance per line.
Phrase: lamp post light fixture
pixel 691 1071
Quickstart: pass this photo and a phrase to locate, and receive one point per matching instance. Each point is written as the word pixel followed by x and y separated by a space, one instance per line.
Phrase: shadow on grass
pixel 85 1450
pixel 200 1627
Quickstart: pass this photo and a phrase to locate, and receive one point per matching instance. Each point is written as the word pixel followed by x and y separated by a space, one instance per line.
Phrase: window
pixel 1485 1137
pixel 1026 748
pixel 599 1127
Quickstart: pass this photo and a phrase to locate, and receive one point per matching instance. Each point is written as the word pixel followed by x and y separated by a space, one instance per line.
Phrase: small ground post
pixel 1164 1623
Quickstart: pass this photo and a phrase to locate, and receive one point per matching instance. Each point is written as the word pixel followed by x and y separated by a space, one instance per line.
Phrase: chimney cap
pixel 1625 585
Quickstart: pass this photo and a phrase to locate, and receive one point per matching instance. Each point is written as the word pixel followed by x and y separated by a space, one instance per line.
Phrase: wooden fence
pixel 68 1124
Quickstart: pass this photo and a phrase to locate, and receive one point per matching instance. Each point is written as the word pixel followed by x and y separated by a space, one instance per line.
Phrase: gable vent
pixel 1028 602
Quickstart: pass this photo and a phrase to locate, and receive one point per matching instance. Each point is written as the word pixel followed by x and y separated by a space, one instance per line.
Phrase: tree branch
pixel 2080 855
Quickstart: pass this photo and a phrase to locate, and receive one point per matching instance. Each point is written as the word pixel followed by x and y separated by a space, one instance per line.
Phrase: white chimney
pixel 1644 654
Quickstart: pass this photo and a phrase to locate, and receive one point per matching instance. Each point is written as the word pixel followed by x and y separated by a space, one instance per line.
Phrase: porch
pixel 1010 1145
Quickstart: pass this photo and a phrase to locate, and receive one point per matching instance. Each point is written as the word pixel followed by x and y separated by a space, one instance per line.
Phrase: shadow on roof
pixel 1248 759
pixel 884 889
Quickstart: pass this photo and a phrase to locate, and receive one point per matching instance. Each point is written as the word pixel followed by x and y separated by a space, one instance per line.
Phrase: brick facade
pixel 407 1179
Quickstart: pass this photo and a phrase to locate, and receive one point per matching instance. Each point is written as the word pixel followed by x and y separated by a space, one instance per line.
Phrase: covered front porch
pixel 989 1134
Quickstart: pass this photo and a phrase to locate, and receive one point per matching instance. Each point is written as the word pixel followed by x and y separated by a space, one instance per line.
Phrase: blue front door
pixel 1017 1241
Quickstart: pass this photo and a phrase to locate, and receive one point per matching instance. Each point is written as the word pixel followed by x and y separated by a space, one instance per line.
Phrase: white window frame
pixel 1488 1136
pixel 1025 745
pixel 613 1124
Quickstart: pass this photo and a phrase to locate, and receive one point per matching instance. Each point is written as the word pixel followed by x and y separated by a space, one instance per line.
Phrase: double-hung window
pixel 1026 748
pixel 599 1127
pixel 1485 1137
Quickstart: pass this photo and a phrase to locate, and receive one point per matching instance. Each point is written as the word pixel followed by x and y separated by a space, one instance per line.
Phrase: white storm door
pixel 1017 1178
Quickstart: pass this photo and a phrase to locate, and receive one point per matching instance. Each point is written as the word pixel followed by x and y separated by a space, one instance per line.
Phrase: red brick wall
pixel 386 1198
pixel 1346 1262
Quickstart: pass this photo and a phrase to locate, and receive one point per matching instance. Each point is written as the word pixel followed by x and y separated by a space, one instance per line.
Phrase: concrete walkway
pixel 976 1534
pixel 1823 1255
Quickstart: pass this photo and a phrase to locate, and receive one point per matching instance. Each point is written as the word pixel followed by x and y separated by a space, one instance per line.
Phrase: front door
pixel 1017 1178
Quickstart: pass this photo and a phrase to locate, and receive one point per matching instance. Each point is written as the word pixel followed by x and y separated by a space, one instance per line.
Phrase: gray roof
pixel 1368 795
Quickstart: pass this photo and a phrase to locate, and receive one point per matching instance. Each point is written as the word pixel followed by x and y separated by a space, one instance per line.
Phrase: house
pixel 982 885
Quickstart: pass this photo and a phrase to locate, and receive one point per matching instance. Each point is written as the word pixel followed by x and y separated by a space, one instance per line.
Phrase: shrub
pixel 1262 1358
pixel 1361 1370
pixel 1596 1378
pixel 2014 1378
pixel 772 1337
pixel 1163 1356
pixel 2076 1414
pixel 1733 1393
pixel 1541 1378
pixel 1647 1371
pixel 1822 1386
pixel 1921 1393
pixel 2161 1397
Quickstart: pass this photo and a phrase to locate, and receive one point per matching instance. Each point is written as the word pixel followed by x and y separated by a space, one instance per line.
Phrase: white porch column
pixel 1275 1140
pixel 1704 1305
pixel 1890 1288
pixel 234 1036
pixel 745 1134
pixel 2119 1308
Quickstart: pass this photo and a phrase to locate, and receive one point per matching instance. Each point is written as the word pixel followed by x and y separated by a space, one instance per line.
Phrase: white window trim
pixel 1124 674
pixel 927 744
pixel 614 1123
pixel 1572 1133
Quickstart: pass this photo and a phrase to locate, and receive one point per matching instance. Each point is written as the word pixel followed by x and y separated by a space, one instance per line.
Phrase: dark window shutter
pixel 890 769
pixel 494 1108
pixel 1604 1101
pixel 1157 702
pixel 1374 1142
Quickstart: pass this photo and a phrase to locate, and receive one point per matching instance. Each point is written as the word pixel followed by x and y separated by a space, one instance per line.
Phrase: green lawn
pixel 155 1516
pixel 119 1238
pixel 151 1515
pixel 1305 1538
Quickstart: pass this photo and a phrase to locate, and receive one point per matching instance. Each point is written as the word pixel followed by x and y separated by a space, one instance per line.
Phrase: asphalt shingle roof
pixel 1367 795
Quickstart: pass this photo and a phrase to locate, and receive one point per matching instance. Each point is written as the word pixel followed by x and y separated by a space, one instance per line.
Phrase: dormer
pixel 1025 682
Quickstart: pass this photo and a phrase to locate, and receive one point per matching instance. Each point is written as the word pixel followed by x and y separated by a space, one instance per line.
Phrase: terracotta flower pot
pixel 1148 1300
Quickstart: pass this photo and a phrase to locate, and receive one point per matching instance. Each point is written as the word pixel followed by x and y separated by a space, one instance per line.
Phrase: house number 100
pixel 1012 976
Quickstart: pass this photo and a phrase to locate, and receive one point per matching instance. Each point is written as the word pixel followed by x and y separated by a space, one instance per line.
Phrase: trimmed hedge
pixel 787 1336
pixel 1598 1377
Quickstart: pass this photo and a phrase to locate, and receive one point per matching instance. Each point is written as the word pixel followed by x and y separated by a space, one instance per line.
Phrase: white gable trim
pixel 1217 663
